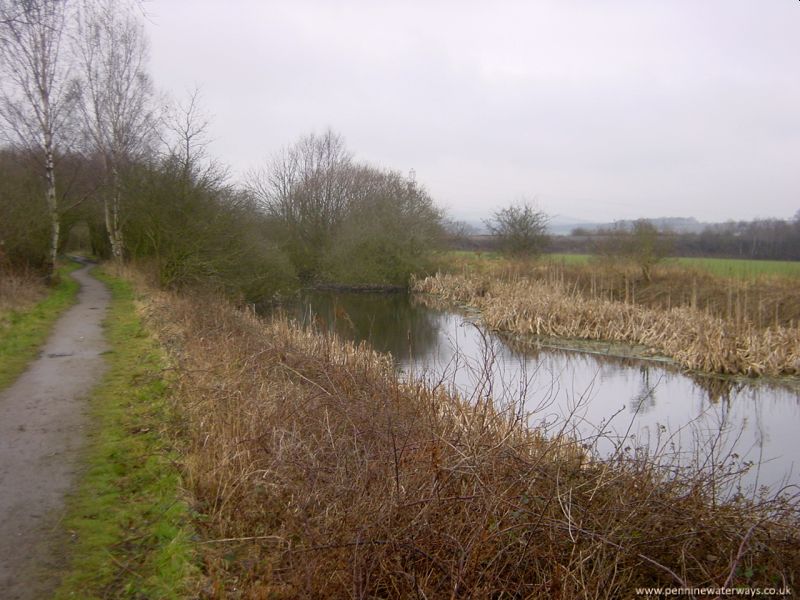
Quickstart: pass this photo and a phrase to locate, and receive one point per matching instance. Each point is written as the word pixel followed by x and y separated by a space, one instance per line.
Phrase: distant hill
pixel 564 225
pixel 673 224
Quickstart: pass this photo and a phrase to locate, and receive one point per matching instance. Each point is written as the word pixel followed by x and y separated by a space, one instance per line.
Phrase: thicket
pixel 343 221
pixel 187 229
pixel 200 232
pixel 24 226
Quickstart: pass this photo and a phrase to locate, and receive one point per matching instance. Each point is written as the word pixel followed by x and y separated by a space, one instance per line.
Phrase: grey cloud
pixel 606 109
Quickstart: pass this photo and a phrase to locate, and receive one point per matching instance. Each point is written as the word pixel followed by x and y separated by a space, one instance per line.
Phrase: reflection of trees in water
pixel 718 388
pixel 645 398
pixel 389 322
pixel 408 326
pixel 715 388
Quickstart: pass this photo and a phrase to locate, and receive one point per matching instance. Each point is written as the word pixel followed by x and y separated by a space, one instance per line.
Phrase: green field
pixel 725 267
pixel 733 267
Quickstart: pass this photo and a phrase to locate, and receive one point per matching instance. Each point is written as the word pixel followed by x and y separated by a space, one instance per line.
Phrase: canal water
pixel 613 404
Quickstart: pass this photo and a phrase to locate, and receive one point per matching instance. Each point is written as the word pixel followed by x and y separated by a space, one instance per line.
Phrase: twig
pixel 244 539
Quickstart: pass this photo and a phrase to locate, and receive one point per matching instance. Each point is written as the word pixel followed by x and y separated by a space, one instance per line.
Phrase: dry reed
pixel 695 338
pixel 761 301
pixel 316 473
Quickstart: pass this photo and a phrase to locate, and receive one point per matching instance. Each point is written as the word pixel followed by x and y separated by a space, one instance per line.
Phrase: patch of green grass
pixel 741 268
pixel 129 522
pixel 474 254
pixel 568 259
pixel 24 332
pixel 723 267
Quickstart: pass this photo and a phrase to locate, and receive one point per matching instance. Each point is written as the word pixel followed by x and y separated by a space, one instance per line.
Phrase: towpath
pixel 43 422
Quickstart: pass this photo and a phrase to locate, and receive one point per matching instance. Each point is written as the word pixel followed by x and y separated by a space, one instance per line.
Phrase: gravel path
pixel 43 421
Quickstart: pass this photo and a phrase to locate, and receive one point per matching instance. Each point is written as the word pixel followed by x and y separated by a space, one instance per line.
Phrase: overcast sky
pixel 601 109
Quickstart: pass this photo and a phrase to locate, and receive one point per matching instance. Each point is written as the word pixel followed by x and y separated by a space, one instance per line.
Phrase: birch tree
pixel 116 100
pixel 36 99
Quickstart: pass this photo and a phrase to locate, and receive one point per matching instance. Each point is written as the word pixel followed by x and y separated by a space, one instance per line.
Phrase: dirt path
pixel 43 420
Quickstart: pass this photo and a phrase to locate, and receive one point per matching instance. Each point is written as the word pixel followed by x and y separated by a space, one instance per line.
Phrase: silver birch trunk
pixel 111 213
pixel 116 98
pixel 52 207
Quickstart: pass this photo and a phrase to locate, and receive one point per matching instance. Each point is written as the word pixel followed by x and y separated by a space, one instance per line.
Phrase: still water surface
pixel 611 401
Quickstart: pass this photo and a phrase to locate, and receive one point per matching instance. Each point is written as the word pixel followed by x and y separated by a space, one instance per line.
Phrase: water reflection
pixel 389 322
pixel 611 402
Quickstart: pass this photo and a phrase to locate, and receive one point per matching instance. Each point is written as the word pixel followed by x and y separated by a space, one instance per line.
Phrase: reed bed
pixel 760 300
pixel 316 473
pixel 695 338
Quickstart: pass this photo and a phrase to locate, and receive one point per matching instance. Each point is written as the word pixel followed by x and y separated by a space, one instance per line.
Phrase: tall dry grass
pixel 760 301
pixel 19 289
pixel 316 473
pixel 695 338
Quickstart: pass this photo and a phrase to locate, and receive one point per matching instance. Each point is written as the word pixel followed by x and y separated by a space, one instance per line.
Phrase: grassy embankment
pixel 28 311
pixel 128 521
pixel 315 472
pixel 705 322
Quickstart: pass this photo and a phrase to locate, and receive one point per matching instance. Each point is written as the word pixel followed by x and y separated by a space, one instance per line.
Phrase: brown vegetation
pixel 704 322
pixel 19 289
pixel 761 300
pixel 315 472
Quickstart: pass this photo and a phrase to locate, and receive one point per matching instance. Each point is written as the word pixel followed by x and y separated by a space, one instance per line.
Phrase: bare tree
pixel 36 96
pixel 185 136
pixel 10 12
pixel 306 183
pixel 306 189
pixel 116 99
pixel 521 229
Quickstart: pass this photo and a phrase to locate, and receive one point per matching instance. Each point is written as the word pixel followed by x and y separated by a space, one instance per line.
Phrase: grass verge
pixel 23 331
pixel 128 520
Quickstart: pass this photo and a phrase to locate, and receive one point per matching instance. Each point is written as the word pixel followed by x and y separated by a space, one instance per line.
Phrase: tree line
pixel 759 239
pixel 87 141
